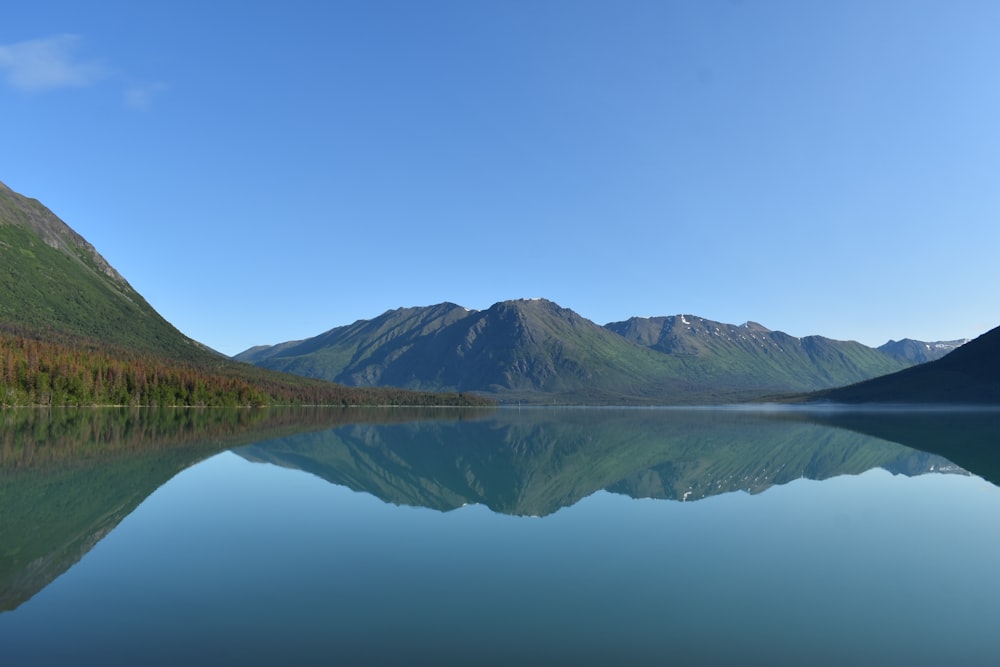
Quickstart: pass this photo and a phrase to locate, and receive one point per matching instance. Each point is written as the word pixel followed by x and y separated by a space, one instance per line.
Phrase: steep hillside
pixel 360 352
pixel 969 374
pixel 775 359
pixel 52 279
pixel 74 332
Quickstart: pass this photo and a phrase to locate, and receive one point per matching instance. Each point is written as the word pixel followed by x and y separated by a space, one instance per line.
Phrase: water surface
pixel 532 537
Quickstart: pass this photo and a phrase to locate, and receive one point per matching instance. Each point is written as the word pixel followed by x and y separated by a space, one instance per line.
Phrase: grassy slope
pixel 46 288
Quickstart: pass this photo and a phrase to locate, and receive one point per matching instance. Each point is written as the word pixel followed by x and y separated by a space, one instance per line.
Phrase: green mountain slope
pixel 74 332
pixel 774 359
pixel 535 350
pixel 52 279
pixel 515 348
pixel 359 353
pixel 969 374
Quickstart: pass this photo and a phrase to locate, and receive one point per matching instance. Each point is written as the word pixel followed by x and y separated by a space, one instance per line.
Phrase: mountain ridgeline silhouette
pixel 534 350
pixel 968 375
pixel 54 281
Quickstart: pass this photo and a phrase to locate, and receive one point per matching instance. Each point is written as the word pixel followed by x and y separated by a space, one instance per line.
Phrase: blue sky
pixel 265 171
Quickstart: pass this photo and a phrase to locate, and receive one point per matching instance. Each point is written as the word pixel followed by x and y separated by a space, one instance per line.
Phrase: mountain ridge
pixel 821 360
pixel 52 278
pixel 970 374
pixel 537 350
pixel 921 351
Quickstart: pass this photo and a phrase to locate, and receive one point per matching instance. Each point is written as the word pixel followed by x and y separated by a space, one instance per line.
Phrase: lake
pixel 529 537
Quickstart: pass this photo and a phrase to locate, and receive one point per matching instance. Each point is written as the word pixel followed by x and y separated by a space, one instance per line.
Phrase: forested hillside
pixel 35 371
pixel 74 332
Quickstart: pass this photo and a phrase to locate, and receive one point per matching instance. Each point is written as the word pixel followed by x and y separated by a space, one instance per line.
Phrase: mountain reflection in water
pixel 67 478
pixel 534 462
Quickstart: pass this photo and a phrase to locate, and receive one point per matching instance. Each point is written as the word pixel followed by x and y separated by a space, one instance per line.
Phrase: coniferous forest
pixel 62 370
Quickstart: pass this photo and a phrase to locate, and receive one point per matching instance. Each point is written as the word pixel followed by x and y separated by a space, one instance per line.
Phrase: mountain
pixel 774 359
pixel 920 352
pixel 969 374
pixel 73 331
pixel 361 352
pixel 53 279
pixel 536 350
pixel 515 348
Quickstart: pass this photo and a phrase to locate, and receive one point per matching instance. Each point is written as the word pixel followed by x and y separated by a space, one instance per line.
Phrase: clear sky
pixel 265 171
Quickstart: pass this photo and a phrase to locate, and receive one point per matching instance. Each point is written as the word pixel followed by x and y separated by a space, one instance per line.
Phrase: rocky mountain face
pixel 537 350
pixel 16 209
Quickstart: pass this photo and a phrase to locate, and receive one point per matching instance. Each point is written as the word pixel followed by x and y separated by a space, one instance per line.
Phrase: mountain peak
pixel 754 326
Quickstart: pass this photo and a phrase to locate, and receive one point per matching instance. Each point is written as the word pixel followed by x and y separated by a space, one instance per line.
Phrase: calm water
pixel 545 537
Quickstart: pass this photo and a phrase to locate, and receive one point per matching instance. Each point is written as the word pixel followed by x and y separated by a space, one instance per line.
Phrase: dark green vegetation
pixel 969 375
pixel 537 351
pixel 536 461
pixel 74 332
pixel 69 476
pixel 53 281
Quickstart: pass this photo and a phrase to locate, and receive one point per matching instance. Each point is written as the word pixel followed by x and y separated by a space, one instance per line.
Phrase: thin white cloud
pixel 141 97
pixel 48 63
